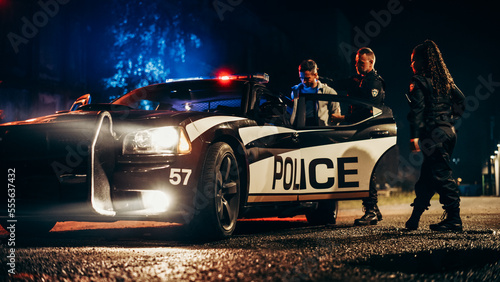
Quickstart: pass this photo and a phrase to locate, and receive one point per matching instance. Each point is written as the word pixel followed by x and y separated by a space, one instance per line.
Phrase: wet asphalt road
pixel 273 250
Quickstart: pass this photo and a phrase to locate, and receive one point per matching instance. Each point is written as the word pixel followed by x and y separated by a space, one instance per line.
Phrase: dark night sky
pixel 466 32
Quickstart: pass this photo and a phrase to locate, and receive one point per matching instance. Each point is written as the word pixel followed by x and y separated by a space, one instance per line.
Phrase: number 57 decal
pixel 178 175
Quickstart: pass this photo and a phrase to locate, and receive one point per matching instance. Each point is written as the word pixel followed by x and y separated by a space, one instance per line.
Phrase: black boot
pixel 452 222
pixel 412 223
pixel 369 218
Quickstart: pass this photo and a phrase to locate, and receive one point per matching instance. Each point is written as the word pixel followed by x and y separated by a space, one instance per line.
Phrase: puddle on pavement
pixel 435 261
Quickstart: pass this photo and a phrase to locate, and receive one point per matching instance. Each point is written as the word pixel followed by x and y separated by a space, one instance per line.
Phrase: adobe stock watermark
pixel 373 28
pixel 222 6
pixel 11 212
pixel 30 28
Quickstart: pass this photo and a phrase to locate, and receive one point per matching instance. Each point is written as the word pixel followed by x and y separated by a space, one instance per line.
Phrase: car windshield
pixel 201 95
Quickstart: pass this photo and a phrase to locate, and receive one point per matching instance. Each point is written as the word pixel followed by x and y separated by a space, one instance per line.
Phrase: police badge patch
pixel 374 92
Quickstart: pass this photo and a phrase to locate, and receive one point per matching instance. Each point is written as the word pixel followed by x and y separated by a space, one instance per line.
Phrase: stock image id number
pixel 11 192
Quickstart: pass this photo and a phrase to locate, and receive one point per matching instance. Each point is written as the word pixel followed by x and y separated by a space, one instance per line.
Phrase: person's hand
pixel 415 148
pixel 336 118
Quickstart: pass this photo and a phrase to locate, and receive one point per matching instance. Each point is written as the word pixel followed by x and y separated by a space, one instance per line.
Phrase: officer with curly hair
pixel 435 102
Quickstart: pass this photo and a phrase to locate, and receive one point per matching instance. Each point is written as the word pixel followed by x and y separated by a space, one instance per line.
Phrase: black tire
pixel 28 227
pixel 218 199
pixel 326 213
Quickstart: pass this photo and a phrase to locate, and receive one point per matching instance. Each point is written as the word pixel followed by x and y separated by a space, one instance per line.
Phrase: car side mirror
pixel 81 101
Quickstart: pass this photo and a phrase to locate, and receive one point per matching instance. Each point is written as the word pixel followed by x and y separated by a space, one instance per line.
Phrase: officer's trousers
pixel 372 199
pixel 436 173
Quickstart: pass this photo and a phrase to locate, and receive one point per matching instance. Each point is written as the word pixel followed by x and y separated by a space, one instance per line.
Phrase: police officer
pixel 370 86
pixel 435 101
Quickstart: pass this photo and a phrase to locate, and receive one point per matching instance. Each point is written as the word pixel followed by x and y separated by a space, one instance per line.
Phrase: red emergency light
pixel 260 77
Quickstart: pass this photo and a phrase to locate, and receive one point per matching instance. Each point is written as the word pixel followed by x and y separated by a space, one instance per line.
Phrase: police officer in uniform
pixel 370 86
pixel 435 102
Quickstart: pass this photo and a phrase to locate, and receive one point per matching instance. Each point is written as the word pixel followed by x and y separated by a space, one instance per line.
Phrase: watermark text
pixel 11 222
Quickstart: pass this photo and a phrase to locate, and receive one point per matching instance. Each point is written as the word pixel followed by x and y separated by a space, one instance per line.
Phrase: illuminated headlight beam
pixel 161 140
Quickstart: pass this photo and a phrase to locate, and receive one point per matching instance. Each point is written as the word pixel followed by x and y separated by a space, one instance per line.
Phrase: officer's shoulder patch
pixel 374 92
pixel 412 85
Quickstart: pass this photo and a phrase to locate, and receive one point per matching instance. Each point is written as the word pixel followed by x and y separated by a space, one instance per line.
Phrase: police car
pixel 202 152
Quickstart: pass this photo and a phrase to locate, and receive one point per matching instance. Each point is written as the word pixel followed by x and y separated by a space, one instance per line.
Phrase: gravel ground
pixel 271 250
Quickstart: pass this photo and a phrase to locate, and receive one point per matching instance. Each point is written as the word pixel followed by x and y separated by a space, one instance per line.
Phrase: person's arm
pixel 334 115
pixel 416 115
pixel 294 111
pixel 458 99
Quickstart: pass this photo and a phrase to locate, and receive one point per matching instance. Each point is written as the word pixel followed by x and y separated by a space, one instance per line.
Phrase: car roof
pixel 188 90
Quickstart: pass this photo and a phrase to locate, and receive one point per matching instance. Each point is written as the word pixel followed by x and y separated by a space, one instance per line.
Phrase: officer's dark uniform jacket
pixel 369 87
pixel 428 110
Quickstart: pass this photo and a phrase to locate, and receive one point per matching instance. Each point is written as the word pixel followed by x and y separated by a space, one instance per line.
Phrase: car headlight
pixel 161 140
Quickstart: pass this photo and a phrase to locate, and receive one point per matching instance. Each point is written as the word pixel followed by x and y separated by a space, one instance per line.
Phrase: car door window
pixel 326 111
pixel 270 108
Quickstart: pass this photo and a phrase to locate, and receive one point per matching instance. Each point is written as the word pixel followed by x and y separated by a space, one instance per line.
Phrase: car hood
pixel 134 116
pixel 84 123
pixel 48 134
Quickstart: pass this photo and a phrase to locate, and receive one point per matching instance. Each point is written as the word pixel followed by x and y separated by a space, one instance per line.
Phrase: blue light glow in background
pixel 151 44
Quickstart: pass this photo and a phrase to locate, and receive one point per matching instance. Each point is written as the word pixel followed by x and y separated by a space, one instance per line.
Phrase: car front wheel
pixel 326 213
pixel 218 199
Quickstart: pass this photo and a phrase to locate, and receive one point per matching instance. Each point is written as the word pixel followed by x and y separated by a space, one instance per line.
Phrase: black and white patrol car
pixel 203 152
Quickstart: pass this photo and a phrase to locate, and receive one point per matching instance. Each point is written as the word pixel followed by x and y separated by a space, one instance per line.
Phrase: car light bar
pixel 260 77
pixel 185 79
